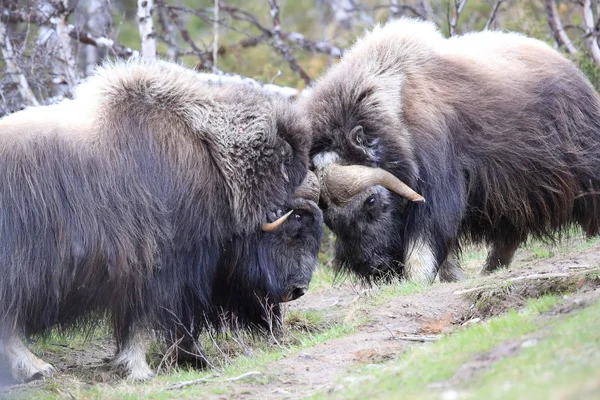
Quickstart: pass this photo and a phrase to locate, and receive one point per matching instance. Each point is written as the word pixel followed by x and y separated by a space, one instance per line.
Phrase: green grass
pixel 564 361
pixel 256 361
pixel 563 364
pixel 397 288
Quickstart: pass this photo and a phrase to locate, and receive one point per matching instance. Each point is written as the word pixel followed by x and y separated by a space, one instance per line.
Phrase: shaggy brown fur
pixel 143 197
pixel 499 133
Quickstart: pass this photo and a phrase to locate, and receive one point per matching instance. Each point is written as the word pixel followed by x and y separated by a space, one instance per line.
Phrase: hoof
pixel 34 371
pixel 140 374
pixel 134 370
pixel 46 372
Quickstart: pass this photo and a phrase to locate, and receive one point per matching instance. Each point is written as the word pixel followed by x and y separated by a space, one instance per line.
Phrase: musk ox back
pixel 499 133
pixel 143 198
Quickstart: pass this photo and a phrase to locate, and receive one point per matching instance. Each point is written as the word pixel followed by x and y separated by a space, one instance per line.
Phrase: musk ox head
pixel 364 158
pixel 275 265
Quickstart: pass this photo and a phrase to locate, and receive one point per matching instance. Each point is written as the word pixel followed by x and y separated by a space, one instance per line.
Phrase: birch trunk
pixel 146 26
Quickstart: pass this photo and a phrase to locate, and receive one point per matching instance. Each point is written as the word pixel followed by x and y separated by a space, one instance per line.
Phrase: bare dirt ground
pixel 413 320
pixel 387 329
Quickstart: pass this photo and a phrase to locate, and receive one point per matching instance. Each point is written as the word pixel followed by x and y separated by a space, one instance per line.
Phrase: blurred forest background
pixel 48 46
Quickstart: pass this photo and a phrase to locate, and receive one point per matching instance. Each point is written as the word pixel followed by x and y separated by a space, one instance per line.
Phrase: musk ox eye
pixel 370 201
pixel 297 217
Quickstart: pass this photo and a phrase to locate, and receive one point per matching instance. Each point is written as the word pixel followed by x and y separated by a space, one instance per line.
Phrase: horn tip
pixel 271 226
pixel 419 200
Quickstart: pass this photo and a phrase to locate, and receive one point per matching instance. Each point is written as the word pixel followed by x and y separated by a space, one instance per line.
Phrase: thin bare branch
pixel 167 27
pixel 280 45
pixel 459 5
pixel 592 35
pixel 205 56
pixel 100 41
pixel 216 36
pixel 309 45
pixel 266 34
pixel 493 14
pixel 559 33
pixel 395 9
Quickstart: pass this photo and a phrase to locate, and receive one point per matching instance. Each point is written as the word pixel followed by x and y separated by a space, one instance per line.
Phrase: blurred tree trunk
pixel 13 70
pixel 146 27
pixel 54 35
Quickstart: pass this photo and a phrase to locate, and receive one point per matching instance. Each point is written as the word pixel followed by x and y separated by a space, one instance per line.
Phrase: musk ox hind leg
pixel 131 357
pixel 501 255
pixel 23 364
pixel 450 270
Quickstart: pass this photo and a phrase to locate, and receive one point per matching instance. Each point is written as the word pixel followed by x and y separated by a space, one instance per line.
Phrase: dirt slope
pixel 415 319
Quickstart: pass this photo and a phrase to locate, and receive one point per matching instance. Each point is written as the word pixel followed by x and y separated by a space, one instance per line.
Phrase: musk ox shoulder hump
pixel 495 46
pixel 411 38
pixel 156 83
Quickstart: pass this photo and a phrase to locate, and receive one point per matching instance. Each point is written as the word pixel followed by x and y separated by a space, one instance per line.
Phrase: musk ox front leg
pixel 131 357
pixel 500 256
pixel 420 264
pixel 24 365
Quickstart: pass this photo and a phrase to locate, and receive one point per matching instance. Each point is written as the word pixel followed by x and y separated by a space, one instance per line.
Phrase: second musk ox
pixel 161 201
pixel 423 141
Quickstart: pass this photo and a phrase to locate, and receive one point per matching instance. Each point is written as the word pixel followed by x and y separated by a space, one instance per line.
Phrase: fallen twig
pixel 465 291
pixel 550 275
pixel 416 338
pixel 206 380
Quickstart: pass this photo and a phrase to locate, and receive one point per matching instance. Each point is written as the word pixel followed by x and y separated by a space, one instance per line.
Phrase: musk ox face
pixel 257 272
pixel 366 228
pixel 293 248
pixel 363 203
pixel 363 164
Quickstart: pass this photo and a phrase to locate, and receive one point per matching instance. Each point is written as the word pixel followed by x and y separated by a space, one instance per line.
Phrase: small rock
pixel 529 343
pixel 471 321
pixel 578 301
pixel 336 388
pixel 450 395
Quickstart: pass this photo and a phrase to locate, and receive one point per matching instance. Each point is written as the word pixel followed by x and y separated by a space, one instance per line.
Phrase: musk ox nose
pixel 298 292
pixel 294 294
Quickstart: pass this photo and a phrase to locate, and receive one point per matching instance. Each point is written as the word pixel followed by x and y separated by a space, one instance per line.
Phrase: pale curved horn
pixel 309 188
pixel 271 226
pixel 342 182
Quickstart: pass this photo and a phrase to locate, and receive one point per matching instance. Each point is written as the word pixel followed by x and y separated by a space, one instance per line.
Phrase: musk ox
pixel 158 200
pixel 498 132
